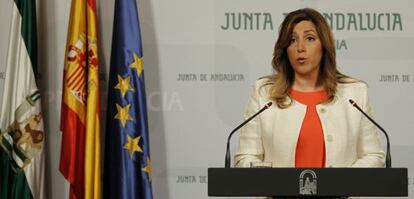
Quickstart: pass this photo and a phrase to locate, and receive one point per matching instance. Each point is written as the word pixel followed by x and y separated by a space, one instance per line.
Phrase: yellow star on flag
pixel 147 169
pixel 123 114
pixel 123 85
pixel 138 64
pixel 132 145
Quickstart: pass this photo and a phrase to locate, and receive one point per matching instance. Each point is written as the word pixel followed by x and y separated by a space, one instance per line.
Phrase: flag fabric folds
pixel 21 121
pixel 80 161
pixel 127 169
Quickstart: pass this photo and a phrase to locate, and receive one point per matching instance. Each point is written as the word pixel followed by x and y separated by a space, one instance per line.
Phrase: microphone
pixel 227 161
pixel 388 156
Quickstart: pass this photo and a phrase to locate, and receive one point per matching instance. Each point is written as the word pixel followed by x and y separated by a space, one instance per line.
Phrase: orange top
pixel 310 148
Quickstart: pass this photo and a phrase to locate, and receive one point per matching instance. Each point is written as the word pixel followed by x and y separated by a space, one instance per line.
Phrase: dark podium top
pixel 288 182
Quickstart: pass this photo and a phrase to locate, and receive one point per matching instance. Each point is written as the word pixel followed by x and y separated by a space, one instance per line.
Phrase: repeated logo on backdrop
pixel 265 21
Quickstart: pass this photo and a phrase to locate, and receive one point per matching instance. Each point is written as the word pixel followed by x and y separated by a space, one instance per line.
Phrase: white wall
pixel 190 120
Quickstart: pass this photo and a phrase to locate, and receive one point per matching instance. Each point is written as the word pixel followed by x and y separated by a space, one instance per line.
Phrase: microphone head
pixel 268 105
pixel 352 102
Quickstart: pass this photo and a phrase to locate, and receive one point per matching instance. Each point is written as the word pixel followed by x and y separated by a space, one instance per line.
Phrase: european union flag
pixel 127 170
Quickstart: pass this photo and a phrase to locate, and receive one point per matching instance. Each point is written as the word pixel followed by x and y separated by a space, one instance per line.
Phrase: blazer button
pixel 322 110
pixel 329 138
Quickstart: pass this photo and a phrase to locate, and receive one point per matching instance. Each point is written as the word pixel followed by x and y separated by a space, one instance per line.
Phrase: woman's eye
pixel 292 40
pixel 310 38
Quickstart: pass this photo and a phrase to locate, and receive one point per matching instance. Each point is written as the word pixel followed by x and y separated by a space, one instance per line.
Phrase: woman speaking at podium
pixel 311 122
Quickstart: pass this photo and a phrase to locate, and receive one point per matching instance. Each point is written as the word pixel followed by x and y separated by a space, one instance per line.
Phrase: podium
pixel 293 182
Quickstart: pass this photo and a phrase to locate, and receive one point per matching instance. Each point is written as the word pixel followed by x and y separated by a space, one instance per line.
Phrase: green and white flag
pixel 21 121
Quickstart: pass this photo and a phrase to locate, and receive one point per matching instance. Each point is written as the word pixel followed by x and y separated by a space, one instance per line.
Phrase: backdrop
pixel 201 58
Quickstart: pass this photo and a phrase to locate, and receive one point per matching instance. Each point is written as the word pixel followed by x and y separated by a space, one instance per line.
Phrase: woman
pixel 311 123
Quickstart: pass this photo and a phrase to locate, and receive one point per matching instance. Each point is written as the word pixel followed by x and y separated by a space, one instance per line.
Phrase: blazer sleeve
pixel 369 149
pixel 250 147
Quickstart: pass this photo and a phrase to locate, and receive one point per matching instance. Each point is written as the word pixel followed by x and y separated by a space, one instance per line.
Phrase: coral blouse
pixel 310 148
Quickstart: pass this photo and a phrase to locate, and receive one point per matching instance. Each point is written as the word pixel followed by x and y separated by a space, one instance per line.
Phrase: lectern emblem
pixel 307 182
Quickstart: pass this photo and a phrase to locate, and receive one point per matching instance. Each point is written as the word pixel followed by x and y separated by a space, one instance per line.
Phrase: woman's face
pixel 305 50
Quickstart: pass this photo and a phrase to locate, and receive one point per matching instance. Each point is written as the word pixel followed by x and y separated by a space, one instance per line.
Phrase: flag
pixel 21 121
pixel 127 169
pixel 80 161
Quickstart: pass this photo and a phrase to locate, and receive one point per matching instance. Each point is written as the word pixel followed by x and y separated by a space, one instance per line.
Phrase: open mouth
pixel 301 60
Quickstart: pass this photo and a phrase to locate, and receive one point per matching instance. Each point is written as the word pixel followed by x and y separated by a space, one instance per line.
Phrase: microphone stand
pixel 228 159
pixel 388 155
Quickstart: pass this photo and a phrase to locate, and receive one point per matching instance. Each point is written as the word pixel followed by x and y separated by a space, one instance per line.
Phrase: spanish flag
pixel 80 120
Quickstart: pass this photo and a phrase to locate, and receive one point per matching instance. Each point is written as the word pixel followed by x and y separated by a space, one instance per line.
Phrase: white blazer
pixel 351 140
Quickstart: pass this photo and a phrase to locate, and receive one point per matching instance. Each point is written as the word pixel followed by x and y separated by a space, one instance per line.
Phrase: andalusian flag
pixel 127 172
pixel 21 121
pixel 80 153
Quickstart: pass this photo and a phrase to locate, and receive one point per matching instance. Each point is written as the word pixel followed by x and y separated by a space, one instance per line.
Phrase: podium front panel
pixel 307 182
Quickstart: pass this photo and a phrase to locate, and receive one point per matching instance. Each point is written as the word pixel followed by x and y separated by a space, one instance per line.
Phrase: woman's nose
pixel 300 46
